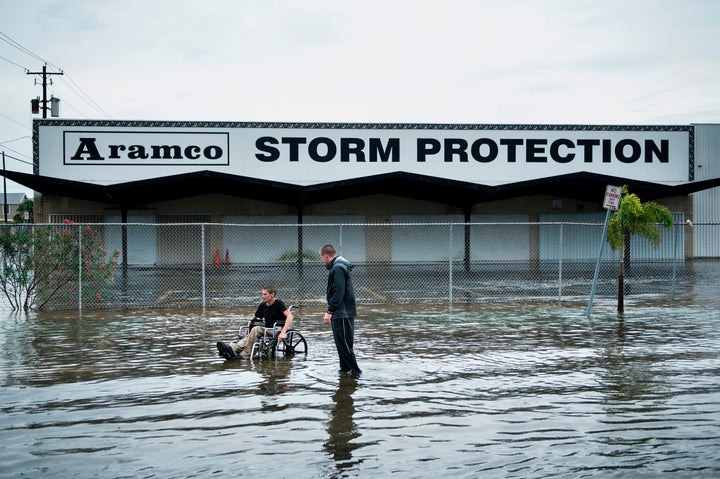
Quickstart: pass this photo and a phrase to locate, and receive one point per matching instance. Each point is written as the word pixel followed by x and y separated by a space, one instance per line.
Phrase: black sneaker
pixel 225 350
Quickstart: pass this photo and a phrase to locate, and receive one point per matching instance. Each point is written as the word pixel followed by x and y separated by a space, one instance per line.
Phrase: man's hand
pixel 327 318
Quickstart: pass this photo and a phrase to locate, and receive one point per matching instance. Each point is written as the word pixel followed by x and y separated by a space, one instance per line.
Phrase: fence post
pixel 450 260
pixel 560 265
pixel 675 258
pixel 124 243
pixel 340 239
pixel 202 264
pixel 467 242
pixel 79 270
pixel 300 249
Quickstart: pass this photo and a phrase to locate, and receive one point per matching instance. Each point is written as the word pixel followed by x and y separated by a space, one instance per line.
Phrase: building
pixel 13 201
pixel 296 173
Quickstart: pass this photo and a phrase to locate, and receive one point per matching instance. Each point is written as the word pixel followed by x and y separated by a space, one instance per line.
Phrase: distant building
pixel 13 201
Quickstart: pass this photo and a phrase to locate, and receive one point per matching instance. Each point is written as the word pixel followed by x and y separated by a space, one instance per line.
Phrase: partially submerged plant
pixel 635 218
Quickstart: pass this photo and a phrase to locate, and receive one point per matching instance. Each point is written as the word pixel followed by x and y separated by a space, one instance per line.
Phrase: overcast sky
pixel 408 61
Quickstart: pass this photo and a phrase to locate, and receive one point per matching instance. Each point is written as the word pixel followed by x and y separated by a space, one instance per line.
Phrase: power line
pixel 85 97
pixel 14 139
pixel 73 86
pixel 16 158
pixel 13 63
pixel 4 146
pixel 15 121
pixel 67 104
pixel 15 44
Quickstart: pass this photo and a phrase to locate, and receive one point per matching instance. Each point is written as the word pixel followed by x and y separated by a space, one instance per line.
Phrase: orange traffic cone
pixel 216 261
pixel 227 258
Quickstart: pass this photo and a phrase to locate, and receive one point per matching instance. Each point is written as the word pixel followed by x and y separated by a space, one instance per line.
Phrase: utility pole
pixel 5 205
pixel 45 74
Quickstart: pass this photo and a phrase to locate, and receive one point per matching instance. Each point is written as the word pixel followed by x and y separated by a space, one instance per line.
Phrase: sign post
pixel 611 203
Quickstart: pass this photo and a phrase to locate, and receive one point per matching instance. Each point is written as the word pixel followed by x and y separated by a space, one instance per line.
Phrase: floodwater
pixel 478 392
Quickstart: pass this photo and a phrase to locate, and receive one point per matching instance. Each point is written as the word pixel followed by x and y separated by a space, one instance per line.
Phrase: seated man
pixel 271 310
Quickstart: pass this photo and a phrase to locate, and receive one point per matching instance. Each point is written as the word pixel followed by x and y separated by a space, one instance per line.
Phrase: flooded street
pixel 471 392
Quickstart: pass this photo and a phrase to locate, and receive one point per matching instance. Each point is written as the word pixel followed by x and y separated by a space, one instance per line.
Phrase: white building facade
pixel 291 173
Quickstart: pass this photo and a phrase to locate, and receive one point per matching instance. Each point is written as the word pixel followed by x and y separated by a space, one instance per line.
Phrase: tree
pixel 635 218
pixel 25 207
pixel 41 264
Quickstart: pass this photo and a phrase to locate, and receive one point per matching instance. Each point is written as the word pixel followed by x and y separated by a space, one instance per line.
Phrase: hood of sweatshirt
pixel 340 261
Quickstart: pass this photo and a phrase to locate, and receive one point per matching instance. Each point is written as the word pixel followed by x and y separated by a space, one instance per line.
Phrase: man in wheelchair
pixel 272 311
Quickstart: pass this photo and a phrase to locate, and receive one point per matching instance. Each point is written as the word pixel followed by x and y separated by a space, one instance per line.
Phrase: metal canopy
pixel 138 194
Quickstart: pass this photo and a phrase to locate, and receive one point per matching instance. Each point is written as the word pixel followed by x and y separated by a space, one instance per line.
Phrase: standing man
pixel 341 308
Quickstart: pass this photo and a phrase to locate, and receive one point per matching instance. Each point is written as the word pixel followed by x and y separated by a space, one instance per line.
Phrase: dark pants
pixel 344 332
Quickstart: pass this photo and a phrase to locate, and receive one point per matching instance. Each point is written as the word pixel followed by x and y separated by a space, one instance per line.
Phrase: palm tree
pixel 635 218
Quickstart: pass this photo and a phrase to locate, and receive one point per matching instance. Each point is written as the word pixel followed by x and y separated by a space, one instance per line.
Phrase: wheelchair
pixel 269 347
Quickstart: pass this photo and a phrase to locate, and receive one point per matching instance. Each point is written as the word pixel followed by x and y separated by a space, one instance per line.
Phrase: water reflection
pixel 341 429
pixel 477 392
pixel 626 377
pixel 274 377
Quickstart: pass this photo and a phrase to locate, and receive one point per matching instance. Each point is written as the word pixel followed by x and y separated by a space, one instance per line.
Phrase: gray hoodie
pixel 340 292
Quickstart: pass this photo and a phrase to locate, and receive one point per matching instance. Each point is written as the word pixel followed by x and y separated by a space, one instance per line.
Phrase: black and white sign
pixel 301 154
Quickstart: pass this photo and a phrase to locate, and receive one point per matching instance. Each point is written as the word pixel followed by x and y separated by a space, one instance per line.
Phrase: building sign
pixel 306 154
pixel 145 148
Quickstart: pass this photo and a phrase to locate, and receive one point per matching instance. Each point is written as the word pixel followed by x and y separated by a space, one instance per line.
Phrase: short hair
pixel 270 289
pixel 328 249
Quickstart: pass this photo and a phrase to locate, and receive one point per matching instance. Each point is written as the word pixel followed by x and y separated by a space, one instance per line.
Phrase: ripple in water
pixel 470 392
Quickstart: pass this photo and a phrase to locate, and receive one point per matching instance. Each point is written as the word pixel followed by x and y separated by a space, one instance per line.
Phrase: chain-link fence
pixel 211 265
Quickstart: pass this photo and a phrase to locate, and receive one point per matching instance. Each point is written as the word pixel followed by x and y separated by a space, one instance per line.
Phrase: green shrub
pixel 46 263
pixel 292 256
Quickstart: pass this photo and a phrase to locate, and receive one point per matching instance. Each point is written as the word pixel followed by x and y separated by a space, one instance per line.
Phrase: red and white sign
pixel 612 197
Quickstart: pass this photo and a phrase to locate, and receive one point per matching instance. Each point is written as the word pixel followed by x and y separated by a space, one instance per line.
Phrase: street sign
pixel 612 202
pixel 612 197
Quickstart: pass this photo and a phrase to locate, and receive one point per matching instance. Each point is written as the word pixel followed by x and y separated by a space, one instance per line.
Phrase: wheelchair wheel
pixel 263 349
pixel 255 351
pixel 294 344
